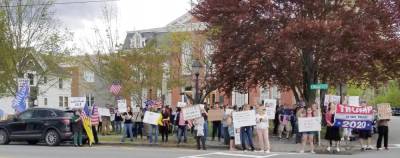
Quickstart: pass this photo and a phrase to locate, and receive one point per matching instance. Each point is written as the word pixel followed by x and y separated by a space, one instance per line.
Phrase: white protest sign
pixel 335 99
pixel 104 111
pixel 308 124
pixel 21 82
pixel 136 109
pixel 191 112
pixel 122 106
pixel 327 100
pixel 237 136
pixel 181 104
pixel 270 105
pixel 151 117
pixel 354 101
pixel 244 118
pixel 77 102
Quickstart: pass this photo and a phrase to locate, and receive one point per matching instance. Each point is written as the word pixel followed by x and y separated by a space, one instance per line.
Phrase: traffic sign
pixel 319 86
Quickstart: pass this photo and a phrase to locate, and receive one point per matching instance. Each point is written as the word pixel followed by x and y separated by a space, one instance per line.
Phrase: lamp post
pixel 196 66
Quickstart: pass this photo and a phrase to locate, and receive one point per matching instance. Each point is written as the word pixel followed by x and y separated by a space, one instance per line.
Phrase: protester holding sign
pixel 332 132
pixel 127 131
pixel 284 122
pixel 246 132
pixel 384 113
pixel 262 129
pixel 308 136
pixel 165 124
pixel 365 134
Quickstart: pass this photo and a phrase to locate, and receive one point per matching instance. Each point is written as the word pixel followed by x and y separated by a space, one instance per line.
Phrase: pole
pixel 196 100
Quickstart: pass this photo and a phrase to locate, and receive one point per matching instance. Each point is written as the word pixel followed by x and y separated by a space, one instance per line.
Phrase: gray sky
pixel 82 18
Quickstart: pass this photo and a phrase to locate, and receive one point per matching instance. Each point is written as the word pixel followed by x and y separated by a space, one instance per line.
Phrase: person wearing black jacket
pixel 118 121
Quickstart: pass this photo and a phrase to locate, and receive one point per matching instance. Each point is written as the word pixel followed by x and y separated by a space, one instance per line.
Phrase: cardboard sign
pixel 384 111
pixel 308 124
pixel 77 102
pixel 244 118
pixel 354 117
pixel 215 115
pixel 270 105
pixel 122 107
pixel 181 104
pixel 354 100
pixel 151 117
pixel 191 112
pixel 104 111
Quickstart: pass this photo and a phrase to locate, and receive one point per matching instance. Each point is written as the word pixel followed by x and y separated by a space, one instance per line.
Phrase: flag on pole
pixel 18 103
pixel 115 88
pixel 87 125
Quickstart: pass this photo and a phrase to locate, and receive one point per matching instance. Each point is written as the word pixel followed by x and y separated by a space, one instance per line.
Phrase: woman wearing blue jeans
pixel 127 126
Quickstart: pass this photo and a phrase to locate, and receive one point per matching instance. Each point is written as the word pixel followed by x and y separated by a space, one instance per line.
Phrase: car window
pixel 44 114
pixel 26 115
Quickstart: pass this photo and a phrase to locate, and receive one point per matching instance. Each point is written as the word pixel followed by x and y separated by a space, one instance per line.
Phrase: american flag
pixel 95 115
pixel 115 88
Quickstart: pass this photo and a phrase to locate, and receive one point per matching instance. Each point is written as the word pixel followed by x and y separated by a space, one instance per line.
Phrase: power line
pixel 58 3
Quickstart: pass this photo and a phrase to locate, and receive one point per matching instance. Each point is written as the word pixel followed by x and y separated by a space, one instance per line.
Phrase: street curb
pixel 186 146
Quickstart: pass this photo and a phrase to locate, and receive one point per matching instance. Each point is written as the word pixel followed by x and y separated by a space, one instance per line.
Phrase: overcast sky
pixel 82 18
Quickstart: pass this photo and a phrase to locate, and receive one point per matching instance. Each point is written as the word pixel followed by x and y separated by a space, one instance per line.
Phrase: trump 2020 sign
pixel 354 117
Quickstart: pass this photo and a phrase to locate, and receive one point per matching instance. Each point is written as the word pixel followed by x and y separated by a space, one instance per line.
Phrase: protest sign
pixel 191 112
pixel 308 124
pixel 384 111
pixel 151 117
pixel 354 117
pixel 77 102
pixel 237 136
pixel 122 107
pixel 104 111
pixel 335 99
pixel 270 105
pixel 327 100
pixel 354 101
pixel 244 118
pixel 136 109
pixel 215 115
pixel 181 104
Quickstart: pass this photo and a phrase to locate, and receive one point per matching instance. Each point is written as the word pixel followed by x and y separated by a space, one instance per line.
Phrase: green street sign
pixel 319 86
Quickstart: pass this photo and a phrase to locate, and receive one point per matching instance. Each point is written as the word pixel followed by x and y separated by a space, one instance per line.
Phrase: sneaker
pixel 258 151
pixel 328 149
pixel 301 151
pixel 369 148
pixel 379 149
pixel 267 151
pixel 337 149
pixel 312 152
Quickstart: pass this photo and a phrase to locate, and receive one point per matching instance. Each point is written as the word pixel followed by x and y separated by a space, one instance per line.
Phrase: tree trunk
pixel 309 77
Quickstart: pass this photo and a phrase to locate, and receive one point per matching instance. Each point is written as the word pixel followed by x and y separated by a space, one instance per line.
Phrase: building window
pixel 30 77
pixel 44 79
pixel 66 101
pixel 60 101
pixel 45 101
pixel 60 83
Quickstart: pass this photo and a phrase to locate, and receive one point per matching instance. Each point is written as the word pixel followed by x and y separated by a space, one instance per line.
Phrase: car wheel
pixel 32 142
pixel 52 138
pixel 4 138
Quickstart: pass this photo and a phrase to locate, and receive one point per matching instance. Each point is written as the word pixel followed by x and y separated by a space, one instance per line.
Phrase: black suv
pixel 37 124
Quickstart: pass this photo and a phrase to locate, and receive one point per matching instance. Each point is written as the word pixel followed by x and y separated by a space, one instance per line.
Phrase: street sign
pixel 319 86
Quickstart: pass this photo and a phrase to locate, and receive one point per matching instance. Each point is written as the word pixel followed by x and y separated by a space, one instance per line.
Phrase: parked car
pixel 396 111
pixel 37 124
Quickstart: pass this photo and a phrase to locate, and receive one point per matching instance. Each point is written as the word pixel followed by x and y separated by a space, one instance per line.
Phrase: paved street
pixel 66 151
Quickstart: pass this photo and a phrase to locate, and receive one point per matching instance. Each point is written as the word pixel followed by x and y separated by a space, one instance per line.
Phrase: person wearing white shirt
pixel 262 129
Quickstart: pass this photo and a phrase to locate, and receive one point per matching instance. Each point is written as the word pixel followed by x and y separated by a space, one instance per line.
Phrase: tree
pixel 296 43
pixel 35 43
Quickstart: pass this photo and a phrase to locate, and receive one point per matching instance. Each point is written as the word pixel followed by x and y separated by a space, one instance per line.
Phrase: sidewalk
pixel 277 145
